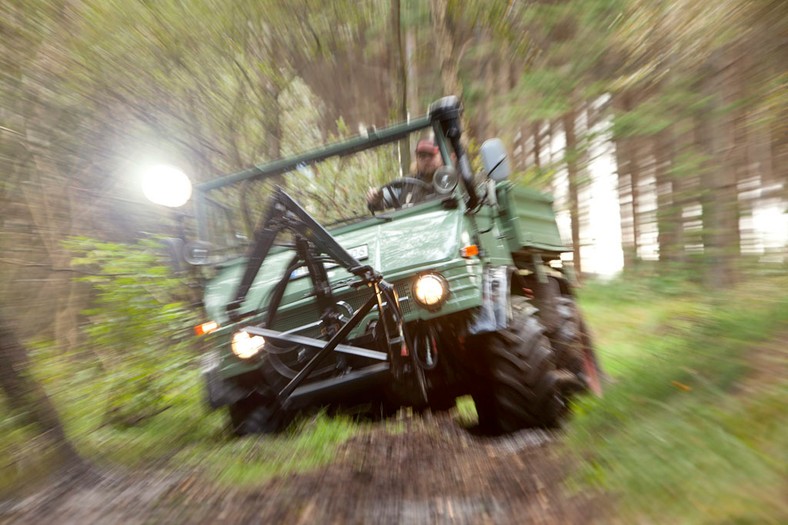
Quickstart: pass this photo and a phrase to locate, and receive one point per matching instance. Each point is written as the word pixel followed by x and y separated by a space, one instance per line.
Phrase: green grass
pixel 691 431
pixel 465 412
pixel 186 435
pixel 250 460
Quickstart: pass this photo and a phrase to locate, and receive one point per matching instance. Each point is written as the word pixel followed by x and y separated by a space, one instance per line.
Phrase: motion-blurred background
pixel 659 126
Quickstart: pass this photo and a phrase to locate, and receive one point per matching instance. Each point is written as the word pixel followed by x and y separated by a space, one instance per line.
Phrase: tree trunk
pixel 635 168
pixel 668 207
pixel 414 104
pixel 400 75
pixel 27 397
pixel 486 69
pixel 720 202
pixel 627 190
pixel 444 42
pixel 448 59
pixel 571 156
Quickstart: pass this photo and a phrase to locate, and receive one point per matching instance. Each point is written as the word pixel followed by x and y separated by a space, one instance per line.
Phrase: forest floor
pixel 434 471
pixel 419 470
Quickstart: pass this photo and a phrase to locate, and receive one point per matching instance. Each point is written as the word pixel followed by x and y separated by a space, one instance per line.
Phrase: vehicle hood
pixel 411 241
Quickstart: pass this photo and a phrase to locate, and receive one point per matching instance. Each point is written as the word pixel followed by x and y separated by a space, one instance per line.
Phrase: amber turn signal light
pixel 469 251
pixel 206 328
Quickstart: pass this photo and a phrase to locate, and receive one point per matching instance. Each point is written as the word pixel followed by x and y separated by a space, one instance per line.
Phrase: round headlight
pixel 245 345
pixel 430 290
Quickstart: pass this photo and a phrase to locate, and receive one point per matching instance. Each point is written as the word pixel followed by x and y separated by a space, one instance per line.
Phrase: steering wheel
pixel 405 185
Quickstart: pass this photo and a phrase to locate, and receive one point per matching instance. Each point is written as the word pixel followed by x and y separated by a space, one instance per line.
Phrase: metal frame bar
pixel 373 138
pixel 284 213
pixel 285 338
pixel 443 118
pixel 328 348
pixel 311 240
pixel 319 388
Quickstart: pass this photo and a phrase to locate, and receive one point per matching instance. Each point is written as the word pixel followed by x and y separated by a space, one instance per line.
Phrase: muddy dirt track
pixel 434 472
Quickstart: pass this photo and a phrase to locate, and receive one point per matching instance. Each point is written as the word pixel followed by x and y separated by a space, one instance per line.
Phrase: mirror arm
pixel 464 165
pixel 447 111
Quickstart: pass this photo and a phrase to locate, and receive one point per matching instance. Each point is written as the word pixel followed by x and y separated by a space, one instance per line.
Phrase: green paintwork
pixel 528 220
pixel 401 245
pixel 414 240
pixel 492 240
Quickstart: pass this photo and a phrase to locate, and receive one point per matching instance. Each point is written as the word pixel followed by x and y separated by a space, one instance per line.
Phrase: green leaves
pixel 138 325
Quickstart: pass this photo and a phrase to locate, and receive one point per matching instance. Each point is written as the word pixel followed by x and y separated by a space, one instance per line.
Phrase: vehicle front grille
pixel 355 297
pixel 403 291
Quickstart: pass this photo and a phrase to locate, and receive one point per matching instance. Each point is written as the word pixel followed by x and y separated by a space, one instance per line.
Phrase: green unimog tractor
pixel 461 293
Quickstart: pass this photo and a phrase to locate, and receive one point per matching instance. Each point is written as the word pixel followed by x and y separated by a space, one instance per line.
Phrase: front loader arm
pixel 312 240
pixel 285 214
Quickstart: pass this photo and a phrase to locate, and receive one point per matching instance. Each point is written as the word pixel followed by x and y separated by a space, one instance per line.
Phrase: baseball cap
pixel 426 146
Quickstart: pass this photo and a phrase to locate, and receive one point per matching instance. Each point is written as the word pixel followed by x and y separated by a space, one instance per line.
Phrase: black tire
pixel 257 414
pixel 519 385
pixel 442 403
pixel 261 412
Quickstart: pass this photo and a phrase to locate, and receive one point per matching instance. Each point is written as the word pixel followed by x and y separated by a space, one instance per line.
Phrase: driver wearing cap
pixel 428 159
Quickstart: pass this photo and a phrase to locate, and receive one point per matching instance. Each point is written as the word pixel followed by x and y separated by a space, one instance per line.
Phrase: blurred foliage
pixel 185 435
pixel 690 95
pixel 336 189
pixel 94 90
pixel 693 406
pixel 138 332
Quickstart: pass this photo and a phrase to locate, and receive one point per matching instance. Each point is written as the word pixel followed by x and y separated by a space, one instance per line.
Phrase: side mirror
pixel 495 160
pixel 445 180
pixel 197 253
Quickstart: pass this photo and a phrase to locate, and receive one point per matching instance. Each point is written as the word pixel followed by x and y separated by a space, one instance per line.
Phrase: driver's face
pixel 427 163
